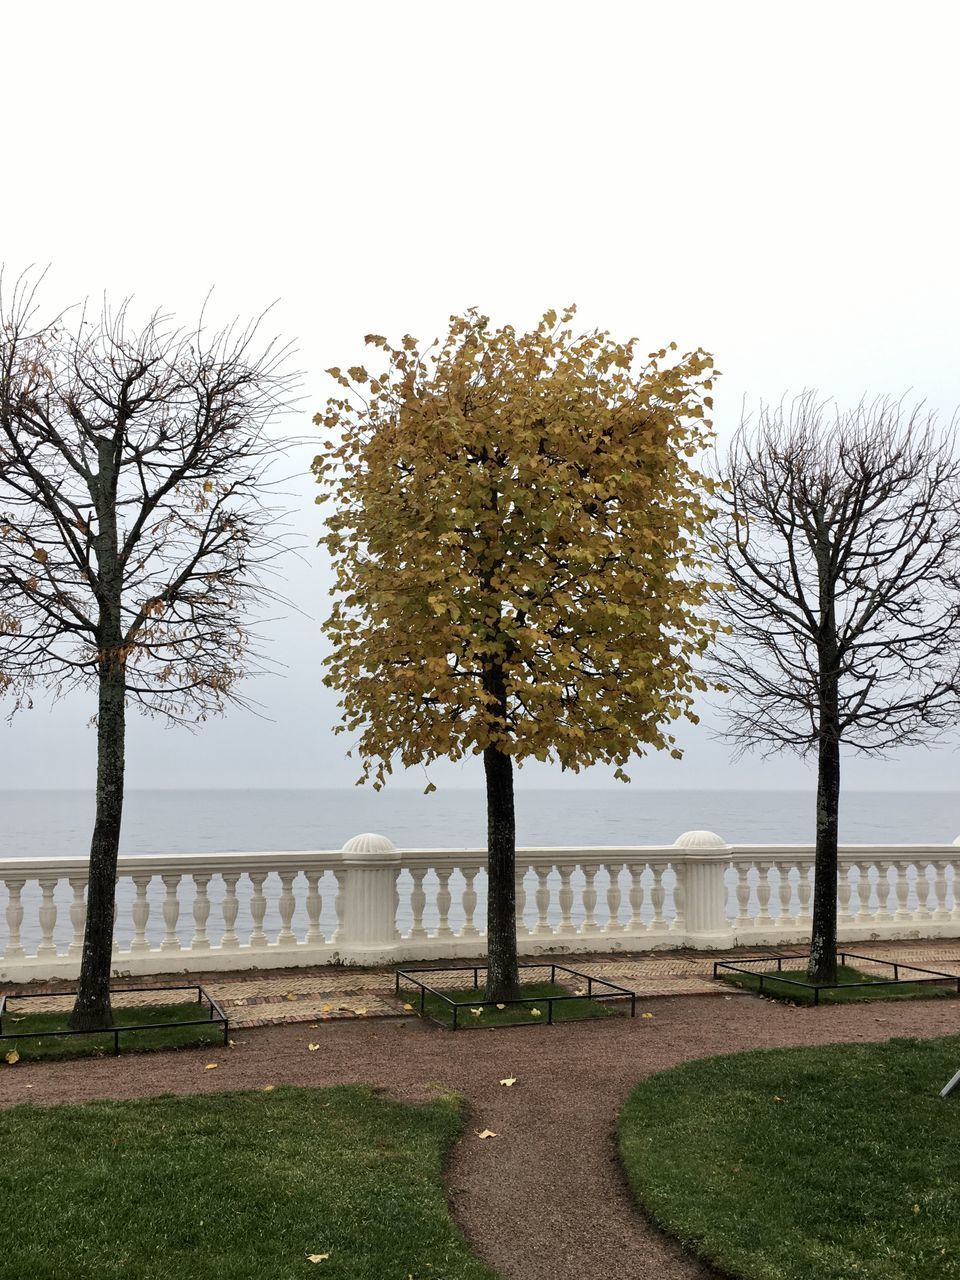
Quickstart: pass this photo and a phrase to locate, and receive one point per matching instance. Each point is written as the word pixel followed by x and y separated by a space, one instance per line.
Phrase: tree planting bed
pixel 27 1033
pixel 776 977
pixel 445 997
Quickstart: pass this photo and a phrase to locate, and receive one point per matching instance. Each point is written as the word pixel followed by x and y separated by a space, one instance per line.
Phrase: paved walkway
pixel 270 997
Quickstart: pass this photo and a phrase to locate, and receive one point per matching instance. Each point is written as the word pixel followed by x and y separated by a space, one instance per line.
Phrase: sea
pixel 40 824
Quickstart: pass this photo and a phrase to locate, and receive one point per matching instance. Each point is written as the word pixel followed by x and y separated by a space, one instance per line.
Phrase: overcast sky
pixel 774 182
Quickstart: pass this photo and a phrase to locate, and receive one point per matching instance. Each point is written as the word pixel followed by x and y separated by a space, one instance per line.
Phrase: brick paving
pixel 274 996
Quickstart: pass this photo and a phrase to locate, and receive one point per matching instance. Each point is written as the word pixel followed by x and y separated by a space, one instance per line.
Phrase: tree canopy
pixel 525 503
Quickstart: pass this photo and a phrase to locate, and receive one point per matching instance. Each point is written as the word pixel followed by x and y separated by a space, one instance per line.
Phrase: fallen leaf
pixel 485 1133
pixel 211 1066
pixel 580 991
pixel 477 1012
pixel 646 1015
pixel 313 1047
pixel 361 1012
pixel 268 1088
pixel 776 1098
pixel 291 996
pixel 232 1044
pixel 535 1013
pixel 12 1058
pixel 510 1080
pixel 325 1008
pixel 916 1208
pixel 408 1007
pixel 317 1257
pixel 501 1006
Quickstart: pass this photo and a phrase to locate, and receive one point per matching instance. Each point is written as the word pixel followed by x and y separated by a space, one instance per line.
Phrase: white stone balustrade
pixel 371 903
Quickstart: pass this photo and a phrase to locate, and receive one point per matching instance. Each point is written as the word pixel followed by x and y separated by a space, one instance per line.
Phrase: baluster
pixel 775 906
pixel 804 895
pixel 337 901
pixel 658 895
pixel 679 921
pixel 14 920
pixel 609 894
pixel 520 899
pixel 444 899
pixel 258 908
pixel 903 892
pixel 141 913
pixel 231 907
pixel 78 916
pixel 201 913
pixel 286 937
pixel 862 914
pixel 589 925
pixel 566 901
pixel 845 918
pixel 314 906
pixel 764 919
pixel 418 900
pixel 940 914
pixel 617 899
pixel 635 896
pixel 469 929
pixel 743 896
pixel 171 914
pixel 542 901
pixel 48 916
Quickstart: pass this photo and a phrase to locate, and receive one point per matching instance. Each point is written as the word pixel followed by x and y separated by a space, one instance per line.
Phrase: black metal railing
pixel 215 1015
pixel 608 991
pixel 935 977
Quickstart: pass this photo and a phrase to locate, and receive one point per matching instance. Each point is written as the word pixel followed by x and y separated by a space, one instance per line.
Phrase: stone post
pixel 701 860
pixel 368 900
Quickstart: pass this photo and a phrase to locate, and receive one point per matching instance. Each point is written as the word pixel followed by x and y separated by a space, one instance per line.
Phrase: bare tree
pixel 135 537
pixel 840 534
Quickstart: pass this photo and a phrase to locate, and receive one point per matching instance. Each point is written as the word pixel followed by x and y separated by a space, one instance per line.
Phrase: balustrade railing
pixel 371 903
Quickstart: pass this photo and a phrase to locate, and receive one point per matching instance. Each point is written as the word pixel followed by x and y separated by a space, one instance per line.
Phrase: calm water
pixel 58 823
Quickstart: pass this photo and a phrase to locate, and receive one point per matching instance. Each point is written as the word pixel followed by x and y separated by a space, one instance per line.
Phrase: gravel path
pixel 545 1199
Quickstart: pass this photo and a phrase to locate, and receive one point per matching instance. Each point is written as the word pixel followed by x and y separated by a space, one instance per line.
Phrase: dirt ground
pixel 545 1199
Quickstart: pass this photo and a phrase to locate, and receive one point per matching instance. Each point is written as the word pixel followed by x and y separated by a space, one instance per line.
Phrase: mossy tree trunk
pixel 92 1007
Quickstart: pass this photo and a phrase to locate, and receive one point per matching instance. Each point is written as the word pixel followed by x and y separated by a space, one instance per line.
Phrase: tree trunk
pixel 503 977
pixel 822 966
pixel 92 1007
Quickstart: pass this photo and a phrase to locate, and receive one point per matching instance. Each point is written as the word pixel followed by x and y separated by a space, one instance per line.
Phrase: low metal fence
pixel 599 990
pixel 215 1015
pixel 934 978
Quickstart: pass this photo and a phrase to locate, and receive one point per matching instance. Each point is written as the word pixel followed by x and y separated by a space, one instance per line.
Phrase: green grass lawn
pixel 805 1164
pixel 534 994
pixel 238 1186
pixel 19 1021
pixel 845 975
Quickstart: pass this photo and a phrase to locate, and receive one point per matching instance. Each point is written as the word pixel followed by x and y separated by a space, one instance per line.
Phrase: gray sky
pixel 776 183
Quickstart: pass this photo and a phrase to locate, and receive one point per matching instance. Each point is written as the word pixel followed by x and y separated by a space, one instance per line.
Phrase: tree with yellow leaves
pixel 514 529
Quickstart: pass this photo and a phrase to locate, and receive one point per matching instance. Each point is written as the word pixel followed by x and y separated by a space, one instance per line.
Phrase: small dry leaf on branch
pixel 510 1080
pixel 485 1133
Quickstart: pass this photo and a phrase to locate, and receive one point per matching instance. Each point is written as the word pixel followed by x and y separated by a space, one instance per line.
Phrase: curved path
pixel 545 1199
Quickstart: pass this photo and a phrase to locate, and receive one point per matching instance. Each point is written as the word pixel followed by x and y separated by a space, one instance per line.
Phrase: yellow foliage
pixel 521 508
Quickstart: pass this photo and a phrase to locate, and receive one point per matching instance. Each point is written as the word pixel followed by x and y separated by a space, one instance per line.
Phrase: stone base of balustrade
pixel 406 950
